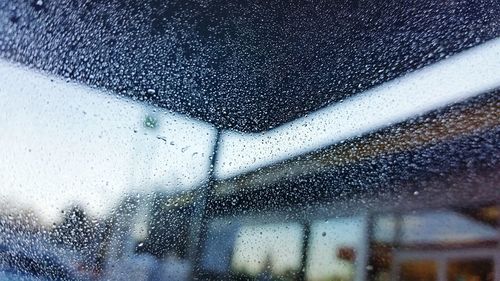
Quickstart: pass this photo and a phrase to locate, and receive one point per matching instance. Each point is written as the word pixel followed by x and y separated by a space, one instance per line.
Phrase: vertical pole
pixel 397 241
pixel 199 221
pixel 441 269
pixel 363 270
pixel 496 257
pixel 306 238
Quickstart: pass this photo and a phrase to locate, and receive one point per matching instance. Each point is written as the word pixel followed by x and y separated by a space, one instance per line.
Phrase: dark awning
pixel 245 65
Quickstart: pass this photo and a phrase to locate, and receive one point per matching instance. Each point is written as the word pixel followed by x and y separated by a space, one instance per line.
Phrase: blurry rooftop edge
pixel 457 78
pixel 452 80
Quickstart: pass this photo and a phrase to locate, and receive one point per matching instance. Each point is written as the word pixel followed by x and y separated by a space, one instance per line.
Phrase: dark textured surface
pixel 245 65
pixel 437 172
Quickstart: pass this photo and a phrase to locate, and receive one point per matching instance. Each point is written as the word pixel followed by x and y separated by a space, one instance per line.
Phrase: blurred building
pixel 416 201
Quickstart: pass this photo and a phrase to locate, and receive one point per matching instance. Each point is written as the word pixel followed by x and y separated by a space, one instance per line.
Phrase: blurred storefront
pixel 314 218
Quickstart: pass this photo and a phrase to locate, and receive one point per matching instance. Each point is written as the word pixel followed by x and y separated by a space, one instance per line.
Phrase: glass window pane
pixel 353 140
pixel 337 249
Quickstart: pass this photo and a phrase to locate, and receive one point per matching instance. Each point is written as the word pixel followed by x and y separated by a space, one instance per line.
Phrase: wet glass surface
pixel 217 140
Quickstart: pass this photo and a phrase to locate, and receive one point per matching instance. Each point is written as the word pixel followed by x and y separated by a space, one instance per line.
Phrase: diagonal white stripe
pixel 454 79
